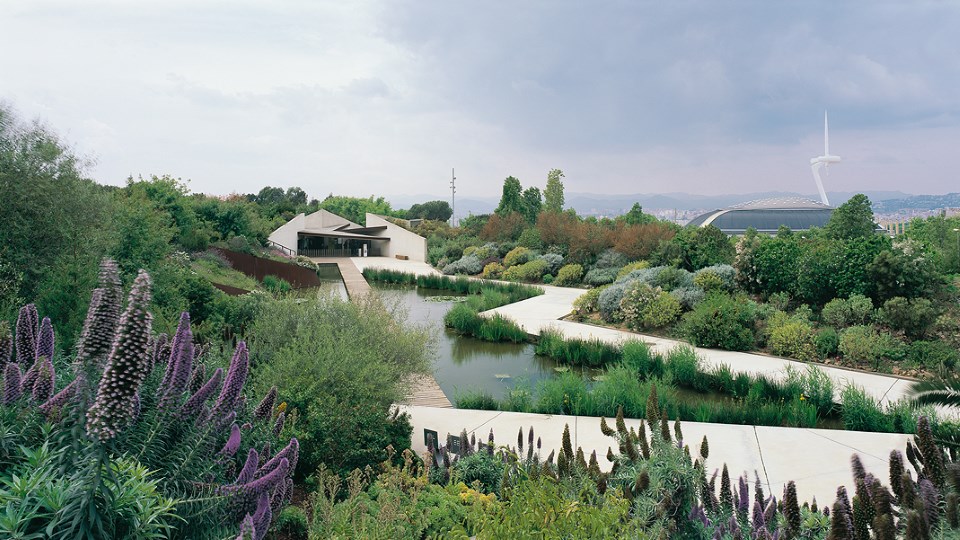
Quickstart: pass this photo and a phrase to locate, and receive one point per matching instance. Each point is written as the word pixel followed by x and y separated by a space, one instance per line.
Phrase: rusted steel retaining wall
pixel 298 276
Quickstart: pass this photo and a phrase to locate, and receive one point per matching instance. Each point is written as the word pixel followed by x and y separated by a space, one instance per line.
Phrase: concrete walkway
pixel 542 312
pixel 817 460
pixel 353 280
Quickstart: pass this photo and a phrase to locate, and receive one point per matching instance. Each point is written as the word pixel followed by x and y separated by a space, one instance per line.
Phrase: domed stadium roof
pixel 767 215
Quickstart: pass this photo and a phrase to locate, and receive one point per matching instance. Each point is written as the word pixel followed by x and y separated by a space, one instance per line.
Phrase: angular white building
pixel 325 234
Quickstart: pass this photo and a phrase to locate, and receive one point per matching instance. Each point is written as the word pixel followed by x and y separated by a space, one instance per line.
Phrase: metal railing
pixel 282 248
pixel 336 252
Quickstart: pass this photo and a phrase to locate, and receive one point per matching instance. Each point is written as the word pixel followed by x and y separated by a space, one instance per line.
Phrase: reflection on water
pixel 464 363
pixel 331 282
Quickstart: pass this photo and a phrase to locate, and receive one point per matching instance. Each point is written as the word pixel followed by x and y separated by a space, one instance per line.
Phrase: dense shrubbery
pixel 721 321
pixel 569 275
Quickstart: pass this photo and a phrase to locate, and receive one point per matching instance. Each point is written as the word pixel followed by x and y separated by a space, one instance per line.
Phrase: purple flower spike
pixel 197 378
pixel 194 405
pixel 278 425
pixel 265 407
pixel 26 338
pixel 30 377
pixel 46 339
pixel 233 442
pixel 236 377
pixel 43 386
pixel 100 326
pixel 61 398
pixel 249 467
pixel 262 517
pixel 246 529
pixel 126 368
pixel 11 383
pixel 289 454
pixel 161 351
pixel 180 365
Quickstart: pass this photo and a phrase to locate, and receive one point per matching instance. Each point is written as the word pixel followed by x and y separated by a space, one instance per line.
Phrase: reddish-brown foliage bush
pixel 503 228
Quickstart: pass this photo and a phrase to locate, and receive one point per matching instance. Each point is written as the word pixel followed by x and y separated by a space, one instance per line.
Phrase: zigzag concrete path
pixel 817 460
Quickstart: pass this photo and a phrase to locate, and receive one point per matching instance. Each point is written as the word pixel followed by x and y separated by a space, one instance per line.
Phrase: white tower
pixel 823 161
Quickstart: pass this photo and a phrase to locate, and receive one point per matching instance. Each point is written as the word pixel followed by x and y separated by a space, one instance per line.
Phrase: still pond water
pixel 463 363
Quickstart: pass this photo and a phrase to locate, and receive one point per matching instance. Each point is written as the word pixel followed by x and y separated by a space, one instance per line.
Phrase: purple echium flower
pixel 278 425
pixel 247 494
pixel 43 386
pixel 262 517
pixel 100 327
pixel 194 405
pixel 11 383
pixel 180 365
pixel 264 453
pixel 233 441
pixel 290 454
pixel 26 338
pixel 265 407
pixel 60 399
pixel 30 377
pixel 246 529
pixel 744 501
pixel 126 366
pixel 758 520
pixel 249 467
pixel 197 378
pixel 45 341
pixel 161 351
pixel 236 376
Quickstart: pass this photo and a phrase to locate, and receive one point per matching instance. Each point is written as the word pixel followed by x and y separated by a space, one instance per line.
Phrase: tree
pixel 636 216
pixel 553 193
pixel 355 209
pixel 532 204
pixel 512 199
pixel 435 210
pixel 852 219
pixel 699 247
pixel 296 196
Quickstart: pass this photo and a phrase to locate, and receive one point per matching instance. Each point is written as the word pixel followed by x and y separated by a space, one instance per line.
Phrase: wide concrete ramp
pixel 817 460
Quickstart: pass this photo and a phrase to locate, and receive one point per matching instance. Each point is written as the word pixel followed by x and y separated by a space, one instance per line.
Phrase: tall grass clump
pixel 861 412
pixel 476 399
pixel 637 356
pixel 577 352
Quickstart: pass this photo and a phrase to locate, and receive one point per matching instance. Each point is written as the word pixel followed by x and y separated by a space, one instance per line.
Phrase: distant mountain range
pixel 613 205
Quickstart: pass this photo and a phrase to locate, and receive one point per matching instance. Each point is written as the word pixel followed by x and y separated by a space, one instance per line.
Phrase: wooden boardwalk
pixel 425 390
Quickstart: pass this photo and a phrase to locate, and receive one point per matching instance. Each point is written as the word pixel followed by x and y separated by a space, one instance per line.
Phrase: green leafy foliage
pixel 721 321
pixel 569 275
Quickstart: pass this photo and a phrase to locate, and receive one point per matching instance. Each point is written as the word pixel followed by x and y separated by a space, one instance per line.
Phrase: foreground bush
pixel 341 366
pixel 569 275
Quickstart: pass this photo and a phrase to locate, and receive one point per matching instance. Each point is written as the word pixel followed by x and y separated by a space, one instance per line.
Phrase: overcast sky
pixel 361 98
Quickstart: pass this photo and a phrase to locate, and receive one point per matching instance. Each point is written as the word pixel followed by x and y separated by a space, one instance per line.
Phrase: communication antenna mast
pixel 453 198
pixel 823 161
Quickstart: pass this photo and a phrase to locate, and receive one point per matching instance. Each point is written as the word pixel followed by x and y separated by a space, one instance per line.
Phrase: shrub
pixel 841 313
pixel 292 523
pixel 685 366
pixel 646 307
pixel 530 238
pixel 547 279
pixel 860 344
pixel 913 317
pixel 469 265
pixel 554 262
pixel 308 349
pixel 588 302
pixel 480 467
pixel 528 271
pixel 670 278
pixel 492 271
pixel 610 259
pixel 827 342
pixel 934 355
pixel 608 303
pixel 720 321
pixel 708 281
pixel 726 273
pixel 779 300
pixel 517 255
pixel 794 339
pixel 637 265
pixel 688 298
pixel 476 399
pixel 570 274
pixel 600 276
